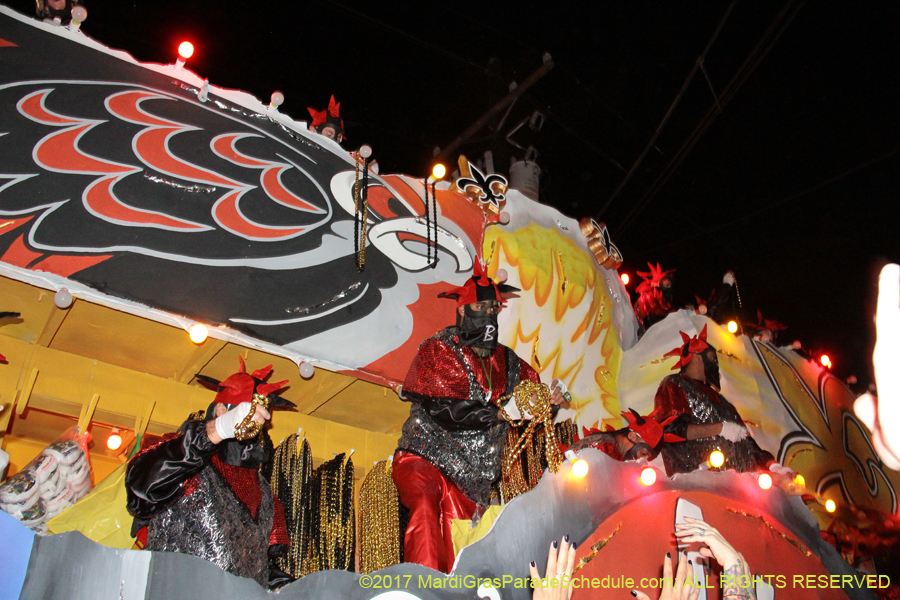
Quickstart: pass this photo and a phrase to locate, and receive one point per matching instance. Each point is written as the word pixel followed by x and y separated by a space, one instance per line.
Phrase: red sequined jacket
pixel 697 403
pixel 456 386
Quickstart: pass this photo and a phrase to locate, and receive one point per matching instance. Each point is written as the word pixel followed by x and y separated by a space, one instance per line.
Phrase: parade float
pixel 154 227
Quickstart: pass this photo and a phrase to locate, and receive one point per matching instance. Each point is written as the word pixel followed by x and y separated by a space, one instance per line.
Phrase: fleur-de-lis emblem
pixel 831 448
pixel 490 189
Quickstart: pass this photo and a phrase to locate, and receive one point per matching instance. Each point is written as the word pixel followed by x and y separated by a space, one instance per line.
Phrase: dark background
pixel 793 184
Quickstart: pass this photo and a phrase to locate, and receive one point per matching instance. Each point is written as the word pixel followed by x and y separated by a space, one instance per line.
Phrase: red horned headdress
pixel 241 387
pixel 650 430
pixel 478 288
pixel 652 278
pixel 331 116
pixel 693 345
pixel 761 324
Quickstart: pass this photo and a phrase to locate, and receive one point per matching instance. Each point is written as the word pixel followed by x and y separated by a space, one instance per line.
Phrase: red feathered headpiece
pixel 650 430
pixel 694 345
pixel 241 386
pixel 652 279
pixel 770 324
pixel 332 115
pixel 479 288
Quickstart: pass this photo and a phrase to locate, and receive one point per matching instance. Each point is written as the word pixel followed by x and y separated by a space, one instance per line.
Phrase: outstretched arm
pixel 882 414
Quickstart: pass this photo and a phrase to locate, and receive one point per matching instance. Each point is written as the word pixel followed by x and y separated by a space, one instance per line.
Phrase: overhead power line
pixel 778 26
pixel 665 119
pixel 781 201
pixel 403 34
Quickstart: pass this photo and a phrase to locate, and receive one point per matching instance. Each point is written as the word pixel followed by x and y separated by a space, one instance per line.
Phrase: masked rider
pixel 450 452
pixel 200 492
pixel 328 122
pixel 705 418
pixel 656 296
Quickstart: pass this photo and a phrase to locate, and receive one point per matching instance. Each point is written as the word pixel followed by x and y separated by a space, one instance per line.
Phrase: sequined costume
pixel 197 503
pixel 697 403
pixel 450 452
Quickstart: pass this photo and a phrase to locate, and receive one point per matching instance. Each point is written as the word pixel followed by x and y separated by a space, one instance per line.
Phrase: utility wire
pixel 546 109
pixel 665 119
pixel 408 36
pixel 762 48
pixel 562 67
pixel 780 202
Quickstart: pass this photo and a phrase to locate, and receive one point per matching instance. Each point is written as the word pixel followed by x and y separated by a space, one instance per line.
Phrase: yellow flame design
pixel 564 304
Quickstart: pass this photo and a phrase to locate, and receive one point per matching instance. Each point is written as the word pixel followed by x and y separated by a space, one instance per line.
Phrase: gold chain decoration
pixel 361 221
pixel 379 542
pixel 789 540
pixel 513 482
pixel 534 459
pixel 595 548
pixel 337 521
pixel 566 432
pixel 291 481
pixel 248 428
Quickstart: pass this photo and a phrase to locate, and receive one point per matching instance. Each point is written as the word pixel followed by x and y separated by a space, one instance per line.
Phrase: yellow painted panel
pixel 367 406
pixel 124 340
pixel 21 452
pixel 307 394
pixel 35 304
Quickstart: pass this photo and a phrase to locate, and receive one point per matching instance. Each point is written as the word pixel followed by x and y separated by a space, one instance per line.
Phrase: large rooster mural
pixel 147 190
pixel 138 187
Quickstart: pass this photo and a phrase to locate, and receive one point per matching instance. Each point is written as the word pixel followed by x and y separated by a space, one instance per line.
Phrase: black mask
pixel 711 371
pixel 666 290
pixel 64 14
pixel 477 329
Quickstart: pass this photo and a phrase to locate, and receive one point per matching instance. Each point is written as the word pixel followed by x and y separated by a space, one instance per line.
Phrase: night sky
pixel 793 183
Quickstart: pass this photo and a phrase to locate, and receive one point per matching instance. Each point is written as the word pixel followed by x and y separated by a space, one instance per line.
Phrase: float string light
pixel 185 51
pixel 114 441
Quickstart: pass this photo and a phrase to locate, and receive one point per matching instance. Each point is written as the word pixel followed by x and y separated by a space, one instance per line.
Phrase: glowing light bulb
pixel 799 480
pixel 276 100
pixel 732 327
pixel 830 506
pixel 825 360
pixel 439 171
pixel 185 50
pixel 648 475
pixel 198 333
pixel 716 458
pixel 114 441
pixel 765 481
pixel 579 468
pixel 625 278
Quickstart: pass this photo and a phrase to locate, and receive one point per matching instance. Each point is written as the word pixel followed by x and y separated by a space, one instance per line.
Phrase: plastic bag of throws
pixel 55 480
